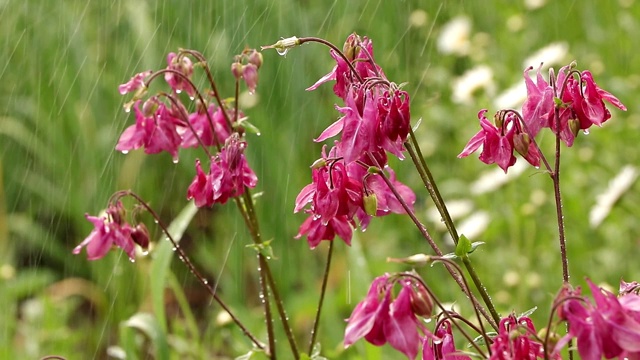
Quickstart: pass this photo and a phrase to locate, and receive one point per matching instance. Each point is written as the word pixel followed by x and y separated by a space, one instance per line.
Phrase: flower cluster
pixel 607 327
pixel 516 339
pixel 111 230
pixel 167 126
pixel 349 182
pixel 568 103
pixel 384 317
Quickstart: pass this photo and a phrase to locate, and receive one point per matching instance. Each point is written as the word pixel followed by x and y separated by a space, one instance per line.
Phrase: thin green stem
pixel 425 234
pixel 427 178
pixel 323 291
pixel 185 259
pixel 268 317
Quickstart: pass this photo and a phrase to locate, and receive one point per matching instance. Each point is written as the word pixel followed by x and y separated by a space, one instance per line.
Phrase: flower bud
pixel 150 107
pixel 255 58
pixel 318 164
pixel 370 204
pixel 116 213
pixel 236 70
pixel 521 143
pixel 351 46
pixel 574 126
pixel 421 303
pixel 140 236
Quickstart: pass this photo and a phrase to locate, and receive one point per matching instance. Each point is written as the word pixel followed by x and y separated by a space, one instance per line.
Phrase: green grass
pixel 62 115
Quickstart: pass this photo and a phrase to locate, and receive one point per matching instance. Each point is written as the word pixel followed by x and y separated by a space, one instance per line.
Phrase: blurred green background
pixel 62 115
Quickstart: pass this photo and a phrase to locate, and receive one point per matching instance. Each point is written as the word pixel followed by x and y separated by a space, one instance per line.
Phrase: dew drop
pixel 282 52
pixel 585 131
pixel 178 91
pixel 125 152
pixel 173 248
pixel 156 221
pixel 132 260
pixel 144 252
pixel 258 134
pixel 192 98
pixel 175 160
pixel 127 109
pixel 205 281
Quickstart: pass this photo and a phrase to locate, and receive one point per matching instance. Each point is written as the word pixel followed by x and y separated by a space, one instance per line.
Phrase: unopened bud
pixel 552 340
pixel 318 164
pixel 497 119
pixel 255 58
pixel 236 70
pixel 150 107
pixel 140 236
pixel 370 204
pixel 351 47
pixel 421 303
pixel 416 260
pixel 521 142
pixel 574 126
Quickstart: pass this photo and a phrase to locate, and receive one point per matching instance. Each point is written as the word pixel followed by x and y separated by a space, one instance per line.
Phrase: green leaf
pixel 162 255
pixel 149 326
pixel 463 247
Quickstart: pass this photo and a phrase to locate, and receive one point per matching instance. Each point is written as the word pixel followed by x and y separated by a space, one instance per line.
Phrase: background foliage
pixel 62 115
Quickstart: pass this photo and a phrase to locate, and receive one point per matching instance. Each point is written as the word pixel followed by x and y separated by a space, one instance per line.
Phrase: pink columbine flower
pixel 608 326
pixel 515 340
pixel 109 231
pixel 537 109
pixel 441 345
pixel 135 83
pixel 497 144
pixel 384 318
pixel 156 129
pixel 183 65
pixel 202 126
pixel 229 174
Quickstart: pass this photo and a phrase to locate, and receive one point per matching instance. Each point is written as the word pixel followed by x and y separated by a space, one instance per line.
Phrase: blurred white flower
pixel 480 77
pixel 473 226
pixel 512 98
pixel 457 209
pixel 605 201
pixel 534 4
pixel 552 54
pixel 454 36
pixel 493 179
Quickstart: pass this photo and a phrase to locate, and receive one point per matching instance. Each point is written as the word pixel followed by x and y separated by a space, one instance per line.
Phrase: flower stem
pixel 432 243
pixel 323 291
pixel 432 188
pixel 555 177
pixel 185 259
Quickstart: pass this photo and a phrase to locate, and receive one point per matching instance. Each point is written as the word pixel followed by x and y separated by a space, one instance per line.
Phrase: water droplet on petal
pixel 585 131
pixel 175 160
pixel 132 260
pixel 178 91
pixel 282 52
pixel 144 252
pixel 192 97
pixel 125 152
pixel 127 109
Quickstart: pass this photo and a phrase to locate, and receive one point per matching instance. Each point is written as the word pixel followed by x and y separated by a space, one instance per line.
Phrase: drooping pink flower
pixel 202 127
pixel 109 231
pixel 497 144
pixel 156 129
pixel 394 121
pixel 229 174
pixel 250 76
pixel 183 65
pixel 587 101
pixel 608 327
pixel 537 109
pixel 384 318
pixel 515 340
pixel 135 83
pixel 316 231
pixel 441 346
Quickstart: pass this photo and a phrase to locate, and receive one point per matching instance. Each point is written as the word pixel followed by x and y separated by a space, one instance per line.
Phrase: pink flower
pixel 537 109
pixel 394 121
pixel 202 127
pixel 135 83
pixel 441 346
pixel 110 230
pixel 250 76
pixel 316 231
pixel 380 318
pixel 228 176
pixel 497 144
pixel 184 66
pixel 588 102
pixel 515 340
pixel 608 327
pixel 155 129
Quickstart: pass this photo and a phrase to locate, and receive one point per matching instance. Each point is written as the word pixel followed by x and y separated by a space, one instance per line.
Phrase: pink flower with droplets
pixel 109 231
pixel 181 81
pixel 135 83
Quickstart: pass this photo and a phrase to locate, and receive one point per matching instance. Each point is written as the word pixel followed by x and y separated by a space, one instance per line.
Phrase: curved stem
pixel 427 178
pixel 325 280
pixel 185 259
pixel 427 237
pixel 334 48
